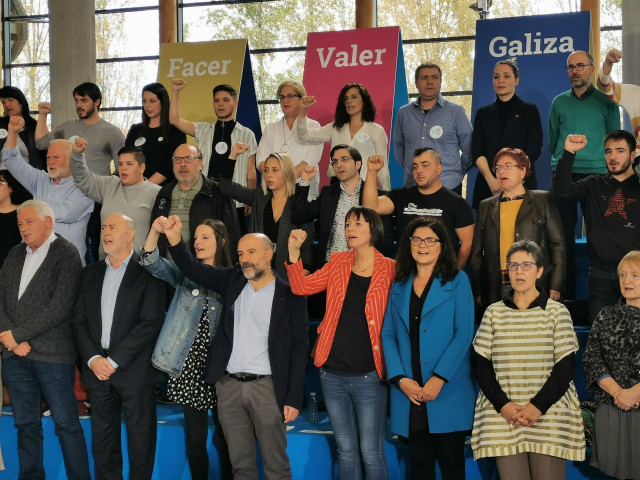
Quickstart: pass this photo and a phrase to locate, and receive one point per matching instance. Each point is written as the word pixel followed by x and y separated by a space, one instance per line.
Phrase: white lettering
pixel 532 45
pixel 200 69
pixel 325 61
pixel 350 59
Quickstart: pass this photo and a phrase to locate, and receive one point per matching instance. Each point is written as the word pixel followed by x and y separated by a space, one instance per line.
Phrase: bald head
pixel 255 252
pixel 117 236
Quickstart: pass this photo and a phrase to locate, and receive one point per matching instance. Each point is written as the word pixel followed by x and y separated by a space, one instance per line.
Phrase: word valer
pixel 199 69
pixel 342 57
pixel 501 46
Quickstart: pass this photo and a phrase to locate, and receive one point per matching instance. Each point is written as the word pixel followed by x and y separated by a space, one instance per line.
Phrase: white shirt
pixel 252 318
pixel 32 263
pixel 278 138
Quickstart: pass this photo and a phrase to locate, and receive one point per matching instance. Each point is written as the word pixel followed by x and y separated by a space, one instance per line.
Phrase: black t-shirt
pixel 448 206
pixel 157 150
pixel 221 134
pixel 351 348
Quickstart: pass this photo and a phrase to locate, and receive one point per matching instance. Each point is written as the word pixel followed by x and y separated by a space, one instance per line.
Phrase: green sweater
pixel 594 116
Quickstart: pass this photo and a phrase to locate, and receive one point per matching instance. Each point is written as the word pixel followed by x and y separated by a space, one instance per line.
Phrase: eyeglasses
pixel 578 67
pixel 506 166
pixel 524 266
pixel 189 159
pixel 335 161
pixel 289 96
pixel 429 241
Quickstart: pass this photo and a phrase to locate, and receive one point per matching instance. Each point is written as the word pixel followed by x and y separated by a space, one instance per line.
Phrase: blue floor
pixel 310 446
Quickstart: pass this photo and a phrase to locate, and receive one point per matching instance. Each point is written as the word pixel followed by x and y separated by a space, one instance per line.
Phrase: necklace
pixel 285 147
pixel 360 270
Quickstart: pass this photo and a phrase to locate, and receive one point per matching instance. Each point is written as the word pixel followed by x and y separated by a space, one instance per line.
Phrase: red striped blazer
pixel 334 277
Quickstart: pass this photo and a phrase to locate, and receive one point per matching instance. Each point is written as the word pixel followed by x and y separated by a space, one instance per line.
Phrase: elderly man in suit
pixel 258 357
pixel 38 283
pixel 119 313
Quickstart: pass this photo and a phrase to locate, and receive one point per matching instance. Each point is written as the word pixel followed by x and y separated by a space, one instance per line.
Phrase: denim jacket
pixel 182 320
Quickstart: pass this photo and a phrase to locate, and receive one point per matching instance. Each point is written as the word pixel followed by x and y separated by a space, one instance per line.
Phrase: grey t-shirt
pixel 104 140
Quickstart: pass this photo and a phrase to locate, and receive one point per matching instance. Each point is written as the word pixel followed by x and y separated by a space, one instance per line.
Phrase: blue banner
pixel 540 44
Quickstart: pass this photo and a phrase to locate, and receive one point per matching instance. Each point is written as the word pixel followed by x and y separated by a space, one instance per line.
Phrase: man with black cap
pixel 15 103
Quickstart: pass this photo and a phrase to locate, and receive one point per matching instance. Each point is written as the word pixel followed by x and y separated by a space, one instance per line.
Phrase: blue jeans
pixel 25 379
pixel 357 407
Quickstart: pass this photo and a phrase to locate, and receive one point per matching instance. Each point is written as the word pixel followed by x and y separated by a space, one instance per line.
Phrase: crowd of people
pixel 93 253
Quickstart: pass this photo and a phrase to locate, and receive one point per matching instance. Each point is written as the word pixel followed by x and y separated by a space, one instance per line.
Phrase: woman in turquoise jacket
pixel 426 339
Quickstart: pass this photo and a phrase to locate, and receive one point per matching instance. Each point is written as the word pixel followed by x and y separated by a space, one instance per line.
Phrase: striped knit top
pixel 523 346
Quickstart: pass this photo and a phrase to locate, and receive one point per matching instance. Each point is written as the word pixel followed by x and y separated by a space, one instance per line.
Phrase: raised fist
pixel 238 149
pixel 79 145
pixel 375 163
pixel 44 108
pixel 296 239
pixel 309 173
pixel 16 123
pixel 307 102
pixel 573 143
pixel 178 84
pixel 613 56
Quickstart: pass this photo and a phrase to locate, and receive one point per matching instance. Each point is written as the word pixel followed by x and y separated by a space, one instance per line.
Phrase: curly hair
pixel 341 117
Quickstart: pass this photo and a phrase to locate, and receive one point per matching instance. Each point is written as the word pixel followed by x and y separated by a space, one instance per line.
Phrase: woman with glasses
pixel 528 413
pixel 353 125
pixel 281 136
pixel 183 344
pixel 348 350
pixel 515 214
pixel 428 328
pixel 272 204
pixel 157 138
pixel 508 122
pixel 612 367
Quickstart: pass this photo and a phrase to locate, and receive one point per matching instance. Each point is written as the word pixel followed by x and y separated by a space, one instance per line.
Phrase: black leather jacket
pixel 539 220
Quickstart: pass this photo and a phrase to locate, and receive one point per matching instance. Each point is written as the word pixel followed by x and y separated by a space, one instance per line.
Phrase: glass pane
pixel 30 42
pixel 128 34
pixel 29 7
pixel 121 84
pixel 419 19
pixel 108 4
pixel 34 83
pixel 123 119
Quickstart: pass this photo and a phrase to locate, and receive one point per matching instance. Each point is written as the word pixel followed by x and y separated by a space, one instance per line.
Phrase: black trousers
pixel 446 448
pixel 139 406
pixel 196 424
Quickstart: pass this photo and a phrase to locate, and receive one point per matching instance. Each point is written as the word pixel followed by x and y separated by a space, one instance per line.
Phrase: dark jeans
pixel 25 380
pixel 446 448
pixel 569 215
pixel 196 424
pixel 604 289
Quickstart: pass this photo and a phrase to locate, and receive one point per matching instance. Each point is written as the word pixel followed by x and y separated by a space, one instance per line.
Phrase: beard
pixel 86 114
pixel 622 168
pixel 252 271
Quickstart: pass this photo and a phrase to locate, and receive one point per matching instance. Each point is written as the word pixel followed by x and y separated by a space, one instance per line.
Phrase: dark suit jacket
pixel 539 220
pixel 324 209
pixel 137 320
pixel 288 340
pixel 523 130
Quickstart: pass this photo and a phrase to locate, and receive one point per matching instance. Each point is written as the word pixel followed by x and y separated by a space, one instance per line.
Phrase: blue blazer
pixel 446 333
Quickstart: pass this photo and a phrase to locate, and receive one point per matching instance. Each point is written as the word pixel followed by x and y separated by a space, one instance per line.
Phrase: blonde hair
pixel 297 87
pixel 632 259
pixel 286 165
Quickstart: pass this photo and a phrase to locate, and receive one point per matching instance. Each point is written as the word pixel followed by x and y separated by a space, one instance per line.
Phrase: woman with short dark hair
pixel 428 328
pixel 348 350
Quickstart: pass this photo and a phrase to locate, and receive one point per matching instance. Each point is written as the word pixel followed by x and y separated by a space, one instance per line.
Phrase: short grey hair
pixel 43 209
pixel 526 246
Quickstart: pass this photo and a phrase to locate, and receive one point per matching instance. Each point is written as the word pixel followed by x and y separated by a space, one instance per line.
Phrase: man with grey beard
pixel 258 355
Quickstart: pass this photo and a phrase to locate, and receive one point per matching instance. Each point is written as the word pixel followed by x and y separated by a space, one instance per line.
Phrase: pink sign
pixel 368 56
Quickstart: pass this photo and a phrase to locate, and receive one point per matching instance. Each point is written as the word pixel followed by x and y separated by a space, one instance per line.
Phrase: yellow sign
pixel 202 66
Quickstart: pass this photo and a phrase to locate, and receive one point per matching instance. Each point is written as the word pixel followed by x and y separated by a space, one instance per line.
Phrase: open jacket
pixel 539 220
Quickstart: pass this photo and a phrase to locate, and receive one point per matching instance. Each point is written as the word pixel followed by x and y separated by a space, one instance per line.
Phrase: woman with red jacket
pixel 349 349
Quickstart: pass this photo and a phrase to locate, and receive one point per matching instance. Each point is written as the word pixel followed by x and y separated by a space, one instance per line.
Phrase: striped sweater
pixel 523 346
